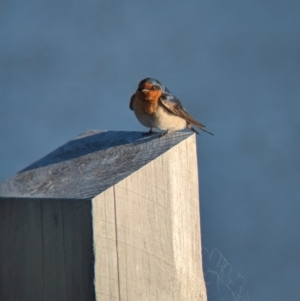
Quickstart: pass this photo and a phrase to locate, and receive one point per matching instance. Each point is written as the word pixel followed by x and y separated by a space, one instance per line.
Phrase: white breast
pixel 161 119
pixel 167 121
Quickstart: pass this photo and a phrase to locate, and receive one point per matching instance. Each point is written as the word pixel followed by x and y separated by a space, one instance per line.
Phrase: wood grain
pixel 150 226
pixel 20 241
pixel 46 250
pixel 109 216
pixel 89 164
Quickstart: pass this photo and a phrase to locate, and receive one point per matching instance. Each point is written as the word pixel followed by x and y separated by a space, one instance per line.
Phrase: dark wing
pixel 173 105
pixel 131 102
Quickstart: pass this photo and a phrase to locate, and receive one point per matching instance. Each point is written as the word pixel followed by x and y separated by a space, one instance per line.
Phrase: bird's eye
pixel 154 88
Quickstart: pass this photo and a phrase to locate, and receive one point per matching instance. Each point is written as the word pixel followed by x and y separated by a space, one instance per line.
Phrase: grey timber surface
pixel 108 216
pixel 46 250
pixel 89 164
pixel 146 230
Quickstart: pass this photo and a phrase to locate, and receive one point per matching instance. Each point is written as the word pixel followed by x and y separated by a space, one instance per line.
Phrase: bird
pixel 156 107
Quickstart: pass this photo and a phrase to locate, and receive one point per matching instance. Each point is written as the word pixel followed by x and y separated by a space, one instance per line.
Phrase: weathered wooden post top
pixel 107 216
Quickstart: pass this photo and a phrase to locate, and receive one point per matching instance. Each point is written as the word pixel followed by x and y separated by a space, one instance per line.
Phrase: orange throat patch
pixel 147 102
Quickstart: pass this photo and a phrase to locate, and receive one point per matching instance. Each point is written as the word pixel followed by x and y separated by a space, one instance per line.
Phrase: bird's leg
pixel 149 133
pixel 165 133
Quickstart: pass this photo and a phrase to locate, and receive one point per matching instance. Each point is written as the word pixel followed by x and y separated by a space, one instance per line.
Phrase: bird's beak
pixel 145 90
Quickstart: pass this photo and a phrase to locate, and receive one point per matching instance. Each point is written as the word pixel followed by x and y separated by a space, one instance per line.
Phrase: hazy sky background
pixel 70 66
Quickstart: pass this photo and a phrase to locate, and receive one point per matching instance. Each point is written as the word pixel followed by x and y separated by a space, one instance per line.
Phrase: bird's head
pixel 150 89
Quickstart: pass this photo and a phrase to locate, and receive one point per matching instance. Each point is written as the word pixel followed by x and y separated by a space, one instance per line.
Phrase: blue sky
pixel 70 66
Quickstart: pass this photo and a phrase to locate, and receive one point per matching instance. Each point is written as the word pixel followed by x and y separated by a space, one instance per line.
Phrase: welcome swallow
pixel 155 107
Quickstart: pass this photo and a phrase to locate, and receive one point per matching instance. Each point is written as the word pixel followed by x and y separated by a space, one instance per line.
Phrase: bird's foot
pixel 164 134
pixel 149 133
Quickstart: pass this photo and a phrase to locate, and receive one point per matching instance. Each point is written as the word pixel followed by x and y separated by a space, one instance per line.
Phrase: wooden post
pixel 107 216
